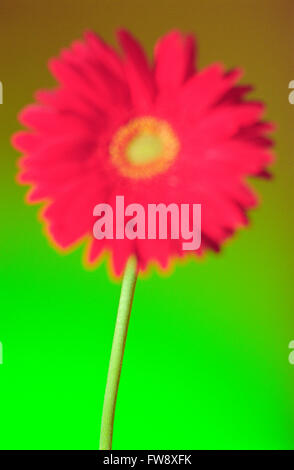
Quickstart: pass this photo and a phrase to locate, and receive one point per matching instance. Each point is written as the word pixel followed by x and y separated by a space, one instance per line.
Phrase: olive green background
pixel 206 362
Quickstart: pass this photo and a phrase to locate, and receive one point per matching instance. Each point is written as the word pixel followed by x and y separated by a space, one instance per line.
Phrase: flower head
pixel 154 133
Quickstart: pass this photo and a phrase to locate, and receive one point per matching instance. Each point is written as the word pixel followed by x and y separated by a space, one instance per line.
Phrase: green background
pixel 206 362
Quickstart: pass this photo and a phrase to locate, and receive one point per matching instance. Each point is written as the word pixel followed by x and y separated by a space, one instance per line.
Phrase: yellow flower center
pixel 144 147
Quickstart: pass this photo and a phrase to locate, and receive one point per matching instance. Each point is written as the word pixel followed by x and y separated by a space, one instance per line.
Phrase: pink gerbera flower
pixel 152 133
pixel 161 132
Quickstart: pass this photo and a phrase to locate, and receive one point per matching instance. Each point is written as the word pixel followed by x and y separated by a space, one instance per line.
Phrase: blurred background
pixel 206 362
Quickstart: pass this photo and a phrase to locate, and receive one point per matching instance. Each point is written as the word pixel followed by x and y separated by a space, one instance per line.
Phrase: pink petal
pixel 174 60
pixel 138 72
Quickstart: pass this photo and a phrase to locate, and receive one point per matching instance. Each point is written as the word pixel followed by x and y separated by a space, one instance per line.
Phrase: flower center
pixel 144 147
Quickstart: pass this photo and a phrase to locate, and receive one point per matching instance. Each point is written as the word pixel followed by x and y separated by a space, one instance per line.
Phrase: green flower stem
pixel 117 352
